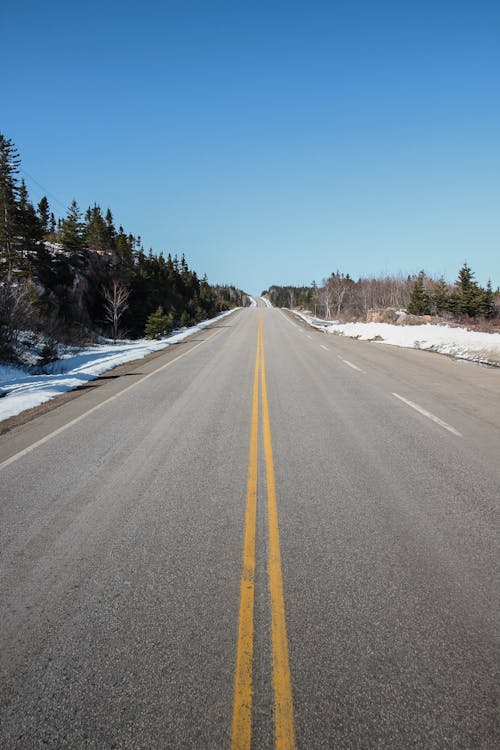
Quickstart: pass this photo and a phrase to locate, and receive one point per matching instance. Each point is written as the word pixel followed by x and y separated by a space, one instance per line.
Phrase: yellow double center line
pixel 284 733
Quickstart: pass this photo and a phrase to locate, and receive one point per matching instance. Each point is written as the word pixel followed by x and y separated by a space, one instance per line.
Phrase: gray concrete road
pixel 122 523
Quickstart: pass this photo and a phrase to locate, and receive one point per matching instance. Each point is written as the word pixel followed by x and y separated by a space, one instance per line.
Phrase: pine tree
pixel 44 215
pixel 71 231
pixel 470 294
pixel 96 233
pixel 124 248
pixel 419 302
pixel 488 307
pixel 185 319
pixel 441 297
pixel 9 193
pixel 110 229
pixel 158 324
pixel 29 229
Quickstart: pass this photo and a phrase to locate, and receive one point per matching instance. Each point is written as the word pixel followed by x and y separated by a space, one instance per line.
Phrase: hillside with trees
pixel 344 298
pixel 79 276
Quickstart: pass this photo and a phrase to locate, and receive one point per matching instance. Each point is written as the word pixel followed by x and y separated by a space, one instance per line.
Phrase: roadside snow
pixel 76 367
pixel 476 346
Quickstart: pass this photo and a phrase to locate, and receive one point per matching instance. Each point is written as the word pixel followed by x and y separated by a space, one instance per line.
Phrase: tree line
pixel 78 276
pixel 341 296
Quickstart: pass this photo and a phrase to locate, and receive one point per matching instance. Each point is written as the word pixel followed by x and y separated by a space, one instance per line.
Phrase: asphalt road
pixel 123 518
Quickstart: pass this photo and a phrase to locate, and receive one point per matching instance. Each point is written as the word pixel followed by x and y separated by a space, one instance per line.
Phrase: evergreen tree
pixel 185 319
pixel 441 297
pixel 110 229
pixel 44 215
pixel 72 230
pixel 29 229
pixel 124 247
pixel 9 192
pixel 470 296
pixel 419 302
pixel 488 307
pixel 158 324
pixel 96 231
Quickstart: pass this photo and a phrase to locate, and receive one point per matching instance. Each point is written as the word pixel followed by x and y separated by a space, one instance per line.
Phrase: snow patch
pixel 475 346
pixel 20 390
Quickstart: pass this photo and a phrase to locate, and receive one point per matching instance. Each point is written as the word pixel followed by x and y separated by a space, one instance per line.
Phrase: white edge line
pixel 66 426
pixel 288 319
pixel 350 364
pixel 429 415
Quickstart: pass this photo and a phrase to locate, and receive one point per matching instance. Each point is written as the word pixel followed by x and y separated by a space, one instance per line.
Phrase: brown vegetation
pixel 404 300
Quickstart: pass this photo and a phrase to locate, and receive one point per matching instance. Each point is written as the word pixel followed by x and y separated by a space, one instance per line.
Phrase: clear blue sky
pixel 271 142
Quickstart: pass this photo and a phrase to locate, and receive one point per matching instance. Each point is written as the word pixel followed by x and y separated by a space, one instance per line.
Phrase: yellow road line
pixel 284 731
pixel 241 736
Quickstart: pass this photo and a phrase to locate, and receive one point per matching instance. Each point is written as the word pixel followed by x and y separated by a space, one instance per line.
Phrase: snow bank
pixel 23 391
pixel 456 342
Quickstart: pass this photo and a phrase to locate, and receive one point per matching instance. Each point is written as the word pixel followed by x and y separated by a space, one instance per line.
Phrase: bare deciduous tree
pixel 16 314
pixel 115 303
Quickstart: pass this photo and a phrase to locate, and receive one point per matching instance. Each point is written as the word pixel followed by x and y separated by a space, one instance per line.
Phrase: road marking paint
pixel 350 364
pixel 429 415
pixel 291 322
pixel 241 736
pixel 284 731
pixel 324 347
pixel 66 426
pixel 309 336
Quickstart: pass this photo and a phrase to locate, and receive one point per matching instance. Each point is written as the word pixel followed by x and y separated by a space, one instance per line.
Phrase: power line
pixel 47 192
